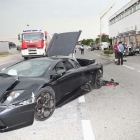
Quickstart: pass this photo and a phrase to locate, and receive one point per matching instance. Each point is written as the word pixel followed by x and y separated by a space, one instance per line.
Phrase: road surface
pixel 109 113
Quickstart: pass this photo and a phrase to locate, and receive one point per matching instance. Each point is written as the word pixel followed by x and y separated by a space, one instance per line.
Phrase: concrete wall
pixel 132 19
pixel 4 47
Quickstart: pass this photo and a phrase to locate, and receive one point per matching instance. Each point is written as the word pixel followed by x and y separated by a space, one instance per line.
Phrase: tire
pixel 45 105
pixel 98 79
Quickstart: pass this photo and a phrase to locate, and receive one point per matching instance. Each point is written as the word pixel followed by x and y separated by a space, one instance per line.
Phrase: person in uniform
pixel 120 53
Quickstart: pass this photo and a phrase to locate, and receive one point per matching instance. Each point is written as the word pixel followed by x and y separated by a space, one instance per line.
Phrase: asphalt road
pixel 110 113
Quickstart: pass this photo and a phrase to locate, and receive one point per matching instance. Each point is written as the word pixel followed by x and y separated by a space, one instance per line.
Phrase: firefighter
pixel 116 52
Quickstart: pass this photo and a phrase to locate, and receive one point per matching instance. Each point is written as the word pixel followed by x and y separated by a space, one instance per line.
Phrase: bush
pixel 108 52
pixel 4 54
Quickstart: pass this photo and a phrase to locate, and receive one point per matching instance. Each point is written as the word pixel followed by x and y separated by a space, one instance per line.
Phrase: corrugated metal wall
pixel 4 47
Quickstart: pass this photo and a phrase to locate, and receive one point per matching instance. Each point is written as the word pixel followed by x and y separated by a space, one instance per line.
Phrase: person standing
pixel 93 47
pixel 120 53
pixel 124 53
pixel 116 52
pixel 82 49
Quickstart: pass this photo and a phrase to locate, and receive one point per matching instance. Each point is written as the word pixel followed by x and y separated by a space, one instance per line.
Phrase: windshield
pixel 35 36
pixel 30 68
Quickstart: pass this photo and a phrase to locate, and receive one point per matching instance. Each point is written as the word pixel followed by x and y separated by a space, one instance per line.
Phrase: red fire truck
pixel 34 43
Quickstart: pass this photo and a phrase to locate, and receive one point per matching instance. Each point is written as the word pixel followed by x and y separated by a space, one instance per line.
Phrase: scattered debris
pixel 110 83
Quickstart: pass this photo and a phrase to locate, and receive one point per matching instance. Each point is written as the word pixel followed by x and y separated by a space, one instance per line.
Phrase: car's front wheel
pixel 45 105
pixel 98 79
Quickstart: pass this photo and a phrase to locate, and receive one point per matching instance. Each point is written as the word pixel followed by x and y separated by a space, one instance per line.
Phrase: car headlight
pixel 28 101
pixel 13 95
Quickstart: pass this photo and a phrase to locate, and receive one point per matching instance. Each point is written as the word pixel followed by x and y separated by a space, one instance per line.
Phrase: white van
pixel 104 45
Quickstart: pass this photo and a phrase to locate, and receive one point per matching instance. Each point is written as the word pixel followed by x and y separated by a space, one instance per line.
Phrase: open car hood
pixel 63 43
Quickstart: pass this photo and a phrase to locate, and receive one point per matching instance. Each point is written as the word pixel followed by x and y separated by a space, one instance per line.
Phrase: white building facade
pixel 124 25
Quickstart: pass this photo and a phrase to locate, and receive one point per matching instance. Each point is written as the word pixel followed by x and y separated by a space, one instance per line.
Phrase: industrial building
pixel 124 25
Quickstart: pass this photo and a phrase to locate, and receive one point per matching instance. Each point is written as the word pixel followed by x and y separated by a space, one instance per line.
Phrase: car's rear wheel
pixel 98 79
pixel 45 105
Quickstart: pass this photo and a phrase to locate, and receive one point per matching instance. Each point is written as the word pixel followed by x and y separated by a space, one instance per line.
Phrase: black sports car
pixel 35 88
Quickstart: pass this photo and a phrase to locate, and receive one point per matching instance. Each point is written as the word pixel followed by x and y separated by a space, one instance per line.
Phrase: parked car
pixel 137 49
pixel 12 45
pixel 34 88
pixel 129 50
pixel 104 45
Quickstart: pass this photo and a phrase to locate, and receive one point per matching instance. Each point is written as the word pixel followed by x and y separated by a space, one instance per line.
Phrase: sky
pixel 56 16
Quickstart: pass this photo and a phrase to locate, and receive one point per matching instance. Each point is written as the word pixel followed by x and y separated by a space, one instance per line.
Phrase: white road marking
pixel 87 130
pixel 94 53
pixel 82 99
pixel 128 67
pixel 138 71
pixel 8 62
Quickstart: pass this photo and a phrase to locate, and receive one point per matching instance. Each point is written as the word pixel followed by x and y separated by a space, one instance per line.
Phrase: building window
pixel 138 39
pixel 131 10
pixel 113 20
pixel 122 15
pixel 137 6
pixel 118 17
pixel 134 8
pixel 131 39
pixel 122 39
pixel 126 39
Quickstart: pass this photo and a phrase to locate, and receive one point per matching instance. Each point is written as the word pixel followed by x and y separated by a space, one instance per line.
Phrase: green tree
pixel 97 41
pixel 84 42
pixel 105 38
pixel 88 42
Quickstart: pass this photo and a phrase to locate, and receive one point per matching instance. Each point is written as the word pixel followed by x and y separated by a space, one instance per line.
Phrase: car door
pixel 86 75
pixel 68 82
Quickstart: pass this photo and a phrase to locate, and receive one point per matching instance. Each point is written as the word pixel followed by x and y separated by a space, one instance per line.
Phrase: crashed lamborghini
pixel 34 88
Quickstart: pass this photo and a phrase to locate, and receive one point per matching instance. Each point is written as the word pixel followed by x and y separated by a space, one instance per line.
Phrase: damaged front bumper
pixel 14 117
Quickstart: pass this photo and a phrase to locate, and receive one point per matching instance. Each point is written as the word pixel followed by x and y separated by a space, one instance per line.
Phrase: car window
pixel 59 66
pixel 68 65
pixel 30 68
pixel 75 63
